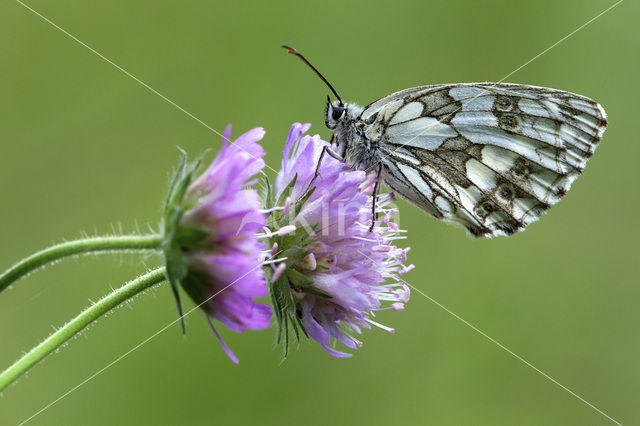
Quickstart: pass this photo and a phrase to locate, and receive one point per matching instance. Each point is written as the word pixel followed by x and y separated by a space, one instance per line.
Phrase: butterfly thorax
pixel 351 135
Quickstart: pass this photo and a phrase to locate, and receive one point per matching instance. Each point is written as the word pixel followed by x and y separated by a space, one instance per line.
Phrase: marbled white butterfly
pixel 492 157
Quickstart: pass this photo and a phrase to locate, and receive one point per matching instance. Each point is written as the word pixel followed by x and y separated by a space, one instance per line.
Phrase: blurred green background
pixel 86 148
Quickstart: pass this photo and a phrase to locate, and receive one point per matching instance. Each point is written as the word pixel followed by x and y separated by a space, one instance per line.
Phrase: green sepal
pixel 266 192
pixel 194 238
pixel 298 279
pixel 297 206
pixel 313 290
pixel 294 254
pixel 287 190
pixel 196 286
pixel 174 238
pixel 287 312
pixel 293 247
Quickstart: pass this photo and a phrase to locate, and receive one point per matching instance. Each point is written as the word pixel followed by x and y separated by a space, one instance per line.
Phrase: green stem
pixel 71 248
pixel 73 327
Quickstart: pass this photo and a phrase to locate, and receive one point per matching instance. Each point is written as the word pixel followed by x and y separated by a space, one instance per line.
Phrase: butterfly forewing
pixel 492 157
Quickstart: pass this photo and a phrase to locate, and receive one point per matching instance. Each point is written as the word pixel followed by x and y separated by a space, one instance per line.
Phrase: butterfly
pixel 491 157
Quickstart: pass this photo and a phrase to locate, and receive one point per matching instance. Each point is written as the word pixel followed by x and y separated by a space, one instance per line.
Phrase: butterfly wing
pixel 491 157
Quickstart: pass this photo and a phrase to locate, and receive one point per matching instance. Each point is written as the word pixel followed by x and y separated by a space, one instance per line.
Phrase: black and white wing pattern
pixel 491 157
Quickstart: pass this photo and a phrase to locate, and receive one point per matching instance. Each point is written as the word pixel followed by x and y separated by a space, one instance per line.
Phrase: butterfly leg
pixel 376 189
pixel 325 150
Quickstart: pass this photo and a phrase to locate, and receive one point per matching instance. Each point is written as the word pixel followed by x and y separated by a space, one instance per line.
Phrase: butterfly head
pixel 334 113
pixel 347 136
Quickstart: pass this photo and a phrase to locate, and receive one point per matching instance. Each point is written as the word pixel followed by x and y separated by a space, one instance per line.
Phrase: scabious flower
pixel 337 273
pixel 211 233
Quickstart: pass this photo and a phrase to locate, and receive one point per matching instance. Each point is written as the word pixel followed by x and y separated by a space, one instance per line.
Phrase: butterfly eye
pixel 338 112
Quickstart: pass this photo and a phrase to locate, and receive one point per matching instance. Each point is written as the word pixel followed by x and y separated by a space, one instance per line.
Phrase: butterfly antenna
pixel 299 55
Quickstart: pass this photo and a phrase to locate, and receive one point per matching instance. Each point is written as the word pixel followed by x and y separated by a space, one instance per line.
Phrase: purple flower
pixel 225 271
pixel 352 270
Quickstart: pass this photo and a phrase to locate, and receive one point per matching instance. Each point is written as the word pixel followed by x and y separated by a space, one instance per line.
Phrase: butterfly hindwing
pixel 492 157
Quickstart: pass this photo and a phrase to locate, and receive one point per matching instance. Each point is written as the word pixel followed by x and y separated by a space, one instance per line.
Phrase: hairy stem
pixel 73 327
pixel 81 246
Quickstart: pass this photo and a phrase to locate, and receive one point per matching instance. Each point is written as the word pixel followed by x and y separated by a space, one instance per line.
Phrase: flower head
pixel 337 270
pixel 212 246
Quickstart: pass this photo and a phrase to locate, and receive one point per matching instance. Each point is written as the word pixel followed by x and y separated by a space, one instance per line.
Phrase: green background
pixel 85 148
